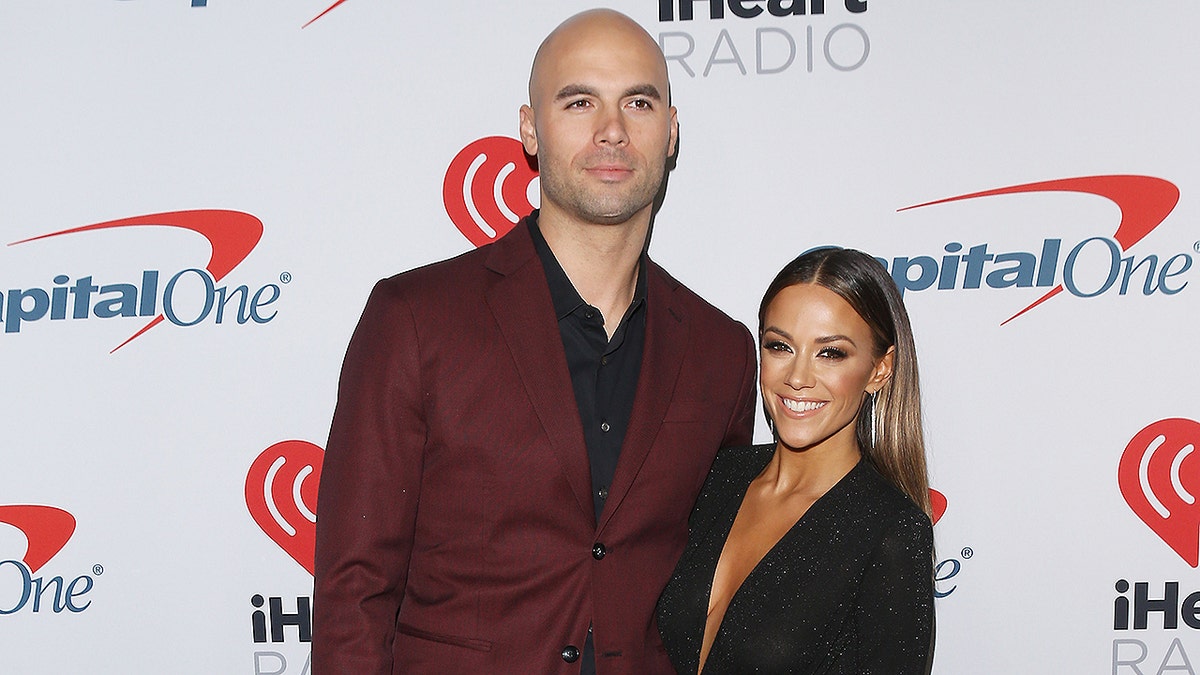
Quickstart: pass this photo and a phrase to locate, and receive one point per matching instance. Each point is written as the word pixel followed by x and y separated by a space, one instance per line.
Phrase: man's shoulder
pixel 435 273
pixel 688 300
pixel 459 273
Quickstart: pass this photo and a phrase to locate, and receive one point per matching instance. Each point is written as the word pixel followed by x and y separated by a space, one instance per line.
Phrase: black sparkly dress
pixel 847 590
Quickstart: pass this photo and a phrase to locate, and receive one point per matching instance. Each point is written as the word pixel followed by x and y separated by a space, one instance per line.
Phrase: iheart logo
pixel 486 187
pixel 47 530
pixel 281 493
pixel 938 501
pixel 1159 475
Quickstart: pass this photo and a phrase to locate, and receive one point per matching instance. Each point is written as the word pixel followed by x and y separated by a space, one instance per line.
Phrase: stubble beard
pixel 606 204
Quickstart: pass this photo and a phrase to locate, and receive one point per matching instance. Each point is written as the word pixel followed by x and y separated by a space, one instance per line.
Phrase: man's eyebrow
pixel 647 90
pixel 574 90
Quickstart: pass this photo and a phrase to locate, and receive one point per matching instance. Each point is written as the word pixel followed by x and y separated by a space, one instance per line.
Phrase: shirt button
pixel 589 313
pixel 604 360
pixel 602 493
pixel 570 653
pixel 604 426
pixel 598 551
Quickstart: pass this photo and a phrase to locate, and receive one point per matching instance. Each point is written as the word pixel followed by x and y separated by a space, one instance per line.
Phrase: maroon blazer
pixel 455 526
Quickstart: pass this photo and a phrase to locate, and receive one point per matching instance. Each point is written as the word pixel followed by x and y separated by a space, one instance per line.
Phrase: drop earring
pixel 874 400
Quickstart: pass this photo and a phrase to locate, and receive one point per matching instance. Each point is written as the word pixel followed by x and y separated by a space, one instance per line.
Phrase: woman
pixel 815 554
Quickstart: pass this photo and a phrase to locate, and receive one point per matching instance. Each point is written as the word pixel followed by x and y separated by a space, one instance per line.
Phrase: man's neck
pixel 601 260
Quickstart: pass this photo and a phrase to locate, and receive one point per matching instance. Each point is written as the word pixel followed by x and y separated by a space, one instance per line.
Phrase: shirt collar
pixel 562 292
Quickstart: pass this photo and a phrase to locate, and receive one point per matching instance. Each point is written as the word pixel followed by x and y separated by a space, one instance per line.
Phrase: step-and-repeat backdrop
pixel 197 195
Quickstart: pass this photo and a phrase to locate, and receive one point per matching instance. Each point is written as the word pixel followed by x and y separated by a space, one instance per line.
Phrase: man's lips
pixel 609 171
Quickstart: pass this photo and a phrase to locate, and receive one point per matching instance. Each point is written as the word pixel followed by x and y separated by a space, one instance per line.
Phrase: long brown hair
pixel 897 446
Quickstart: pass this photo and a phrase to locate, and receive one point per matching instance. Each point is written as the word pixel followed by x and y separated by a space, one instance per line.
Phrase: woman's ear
pixel 883 371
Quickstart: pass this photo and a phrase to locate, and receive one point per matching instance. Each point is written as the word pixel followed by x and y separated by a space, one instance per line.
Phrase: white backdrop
pixel 144 501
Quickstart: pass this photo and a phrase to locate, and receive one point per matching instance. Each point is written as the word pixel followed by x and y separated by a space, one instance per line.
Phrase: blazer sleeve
pixel 741 424
pixel 895 615
pixel 367 500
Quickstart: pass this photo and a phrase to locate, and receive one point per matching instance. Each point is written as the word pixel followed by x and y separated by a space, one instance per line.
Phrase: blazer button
pixel 570 653
pixel 598 551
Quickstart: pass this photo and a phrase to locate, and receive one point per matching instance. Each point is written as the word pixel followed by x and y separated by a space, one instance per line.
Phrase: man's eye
pixel 581 103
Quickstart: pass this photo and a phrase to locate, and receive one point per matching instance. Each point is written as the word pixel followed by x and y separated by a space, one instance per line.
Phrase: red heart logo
pixel 938 501
pixel 1159 476
pixel 47 530
pixel 281 493
pixel 486 189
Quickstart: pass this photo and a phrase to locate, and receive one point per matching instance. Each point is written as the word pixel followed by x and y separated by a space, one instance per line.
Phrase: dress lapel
pixel 667 338
pixel 520 302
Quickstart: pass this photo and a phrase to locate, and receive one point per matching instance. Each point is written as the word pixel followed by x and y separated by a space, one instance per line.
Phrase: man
pixel 521 431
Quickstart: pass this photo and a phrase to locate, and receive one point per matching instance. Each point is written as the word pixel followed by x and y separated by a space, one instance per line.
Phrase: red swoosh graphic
pixel 1144 201
pixel 232 235
pixel 938 501
pixel 47 529
pixel 330 9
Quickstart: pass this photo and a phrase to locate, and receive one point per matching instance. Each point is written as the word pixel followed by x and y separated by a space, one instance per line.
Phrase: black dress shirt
pixel 604 373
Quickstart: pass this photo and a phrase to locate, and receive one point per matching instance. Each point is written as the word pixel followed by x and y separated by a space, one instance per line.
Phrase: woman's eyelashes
pixel 832 353
pixel 777 346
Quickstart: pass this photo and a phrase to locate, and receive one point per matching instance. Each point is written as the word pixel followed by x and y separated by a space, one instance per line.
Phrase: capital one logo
pixel 1144 203
pixel 281 494
pixel 46 530
pixel 946 570
pixel 1159 476
pixel 186 298
pixel 486 189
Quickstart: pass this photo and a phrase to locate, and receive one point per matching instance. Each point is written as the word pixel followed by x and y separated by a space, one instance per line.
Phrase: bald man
pixel 521 431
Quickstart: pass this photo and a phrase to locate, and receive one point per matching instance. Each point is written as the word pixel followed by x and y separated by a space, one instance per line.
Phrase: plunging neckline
pixel 740 500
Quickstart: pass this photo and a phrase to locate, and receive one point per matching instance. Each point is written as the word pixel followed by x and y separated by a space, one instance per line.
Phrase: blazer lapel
pixel 520 302
pixel 667 328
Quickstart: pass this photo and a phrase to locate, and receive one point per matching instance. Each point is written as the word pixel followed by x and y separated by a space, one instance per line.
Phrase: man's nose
pixel 611 128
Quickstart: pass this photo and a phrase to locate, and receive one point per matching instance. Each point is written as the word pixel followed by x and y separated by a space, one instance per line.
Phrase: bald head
pixel 602 36
pixel 599 121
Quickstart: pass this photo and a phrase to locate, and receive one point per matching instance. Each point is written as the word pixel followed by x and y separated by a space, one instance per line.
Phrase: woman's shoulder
pixel 731 471
pixel 736 461
pixel 878 499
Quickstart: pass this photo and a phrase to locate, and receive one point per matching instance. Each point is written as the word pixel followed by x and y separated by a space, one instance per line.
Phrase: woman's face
pixel 818 362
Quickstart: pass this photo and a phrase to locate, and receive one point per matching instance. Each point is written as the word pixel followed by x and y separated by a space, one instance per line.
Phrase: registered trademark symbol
pixel 286 277
pixel 97 569
pixel 967 553
pixel 1196 246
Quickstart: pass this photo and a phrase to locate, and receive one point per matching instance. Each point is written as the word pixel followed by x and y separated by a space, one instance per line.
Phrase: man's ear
pixel 674 142
pixel 528 131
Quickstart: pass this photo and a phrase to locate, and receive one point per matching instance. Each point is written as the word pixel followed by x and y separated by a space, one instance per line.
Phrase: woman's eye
pixel 776 346
pixel 831 353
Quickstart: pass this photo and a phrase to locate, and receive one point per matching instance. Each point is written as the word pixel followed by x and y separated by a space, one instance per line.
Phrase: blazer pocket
pixel 455 640
pixel 695 411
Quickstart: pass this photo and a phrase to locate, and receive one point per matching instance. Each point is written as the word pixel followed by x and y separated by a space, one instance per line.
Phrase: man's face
pixel 599 123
